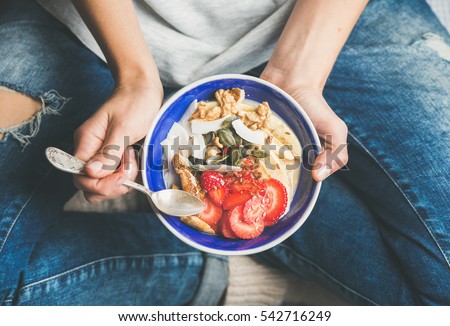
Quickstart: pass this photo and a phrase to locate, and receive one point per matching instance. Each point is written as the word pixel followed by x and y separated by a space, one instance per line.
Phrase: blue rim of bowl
pixel 312 197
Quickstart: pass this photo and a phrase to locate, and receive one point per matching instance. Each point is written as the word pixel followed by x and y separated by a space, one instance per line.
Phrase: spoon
pixel 170 201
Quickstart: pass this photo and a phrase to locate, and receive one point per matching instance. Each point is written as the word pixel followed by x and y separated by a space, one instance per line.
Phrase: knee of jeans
pixel 21 114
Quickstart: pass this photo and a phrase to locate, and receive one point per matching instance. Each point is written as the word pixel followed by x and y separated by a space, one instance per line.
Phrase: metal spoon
pixel 170 201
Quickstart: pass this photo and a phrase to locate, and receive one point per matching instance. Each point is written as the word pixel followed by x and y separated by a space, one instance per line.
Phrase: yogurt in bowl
pixel 246 148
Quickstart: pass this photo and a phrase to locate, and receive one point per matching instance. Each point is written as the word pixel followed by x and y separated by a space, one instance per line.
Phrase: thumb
pixel 107 158
pixel 330 160
pixel 335 154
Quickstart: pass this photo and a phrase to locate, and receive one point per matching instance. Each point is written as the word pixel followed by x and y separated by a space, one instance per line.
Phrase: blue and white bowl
pixel 285 107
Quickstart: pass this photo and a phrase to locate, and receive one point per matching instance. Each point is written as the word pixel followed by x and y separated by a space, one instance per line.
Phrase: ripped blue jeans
pixel 379 234
pixel 51 257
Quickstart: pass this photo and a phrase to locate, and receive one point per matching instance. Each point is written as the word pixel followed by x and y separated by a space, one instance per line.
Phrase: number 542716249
pixel 287 315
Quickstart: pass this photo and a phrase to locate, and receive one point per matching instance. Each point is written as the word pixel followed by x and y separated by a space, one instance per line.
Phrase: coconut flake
pixel 176 137
pixel 252 136
pixel 178 131
pixel 180 138
pixel 184 121
pixel 203 127
pixel 169 173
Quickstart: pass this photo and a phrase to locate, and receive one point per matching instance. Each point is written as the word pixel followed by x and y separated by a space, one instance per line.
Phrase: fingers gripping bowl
pixel 303 193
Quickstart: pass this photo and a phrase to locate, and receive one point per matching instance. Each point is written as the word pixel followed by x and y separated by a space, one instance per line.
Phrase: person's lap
pixel 380 232
pixel 52 257
pixel 376 236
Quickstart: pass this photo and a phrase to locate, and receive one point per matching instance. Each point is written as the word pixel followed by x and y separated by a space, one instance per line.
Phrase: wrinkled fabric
pixel 379 233
pixel 191 39
pixel 51 257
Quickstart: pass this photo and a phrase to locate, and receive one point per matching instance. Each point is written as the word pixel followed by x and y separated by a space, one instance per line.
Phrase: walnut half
pixel 257 119
pixel 200 112
pixel 228 99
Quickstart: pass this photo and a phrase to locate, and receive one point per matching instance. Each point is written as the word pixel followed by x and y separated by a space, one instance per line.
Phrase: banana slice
pixel 284 134
pixel 273 167
pixel 281 150
pixel 247 106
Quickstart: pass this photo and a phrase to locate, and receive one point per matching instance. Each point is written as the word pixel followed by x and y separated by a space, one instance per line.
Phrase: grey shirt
pixel 191 39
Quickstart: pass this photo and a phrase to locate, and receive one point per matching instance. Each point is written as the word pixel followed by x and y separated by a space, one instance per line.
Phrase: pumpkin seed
pixel 196 161
pixel 246 150
pixel 237 138
pixel 198 167
pixel 209 137
pixel 226 124
pixel 226 137
pixel 260 153
pixel 235 156
pixel 219 160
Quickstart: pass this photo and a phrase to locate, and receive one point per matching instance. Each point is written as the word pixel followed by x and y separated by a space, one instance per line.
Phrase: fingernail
pixel 324 172
pixel 94 166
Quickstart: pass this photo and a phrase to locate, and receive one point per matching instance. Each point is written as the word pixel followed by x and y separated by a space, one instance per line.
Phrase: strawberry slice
pixel 230 178
pixel 211 180
pixel 225 228
pixel 254 209
pixel 251 185
pixel 242 229
pixel 218 195
pixel 215 185
pixel 276 201
pixel 236 199
pixel 211 214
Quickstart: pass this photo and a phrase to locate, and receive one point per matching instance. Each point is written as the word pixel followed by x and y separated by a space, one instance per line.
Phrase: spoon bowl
pixel 177 202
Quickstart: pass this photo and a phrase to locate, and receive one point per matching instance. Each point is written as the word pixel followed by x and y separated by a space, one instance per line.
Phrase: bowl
pixel 285 107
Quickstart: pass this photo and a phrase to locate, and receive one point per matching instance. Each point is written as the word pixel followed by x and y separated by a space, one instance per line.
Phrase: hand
pixel 102 139
pixel 331 129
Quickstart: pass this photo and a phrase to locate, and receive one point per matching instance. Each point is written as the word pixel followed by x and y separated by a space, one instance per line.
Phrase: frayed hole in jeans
pixel 21 115
pixel 437 44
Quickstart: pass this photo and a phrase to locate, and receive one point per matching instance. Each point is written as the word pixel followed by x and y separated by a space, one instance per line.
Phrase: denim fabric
pixel 379 233
pixel 48 257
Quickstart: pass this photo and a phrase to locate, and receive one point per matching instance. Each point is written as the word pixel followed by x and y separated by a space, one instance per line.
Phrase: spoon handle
pixel 138 187
pixel 64 161
pixel 71 164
